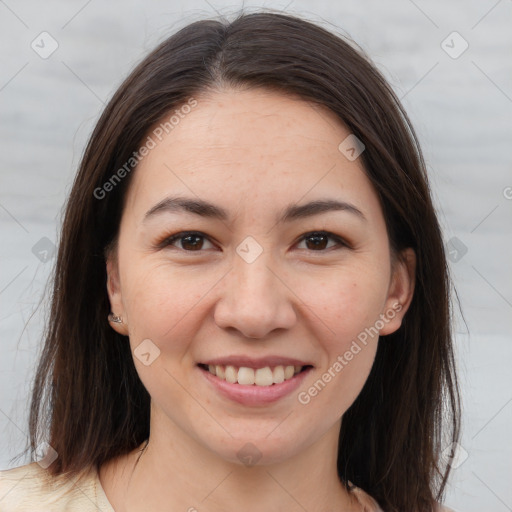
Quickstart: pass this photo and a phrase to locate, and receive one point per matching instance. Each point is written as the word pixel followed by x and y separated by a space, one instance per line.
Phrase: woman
pixel 252 215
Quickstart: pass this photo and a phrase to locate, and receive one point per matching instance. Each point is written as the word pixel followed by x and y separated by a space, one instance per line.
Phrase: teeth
pixel 220 372
pixel 262 377
pixel 248 376
pixel 289 371
pixel 278 375
pixel 231 374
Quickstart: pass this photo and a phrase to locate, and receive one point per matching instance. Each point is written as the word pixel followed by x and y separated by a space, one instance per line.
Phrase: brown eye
pixel 319 240
pixel 192 242
pixel 187 241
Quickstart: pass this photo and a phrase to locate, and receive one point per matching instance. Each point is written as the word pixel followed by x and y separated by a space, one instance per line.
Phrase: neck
pixel 174 472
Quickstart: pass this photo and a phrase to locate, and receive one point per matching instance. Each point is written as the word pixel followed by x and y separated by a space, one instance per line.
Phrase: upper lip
pixel 255 362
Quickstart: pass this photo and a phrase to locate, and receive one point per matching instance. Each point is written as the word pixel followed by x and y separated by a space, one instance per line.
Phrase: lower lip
pixel 255 395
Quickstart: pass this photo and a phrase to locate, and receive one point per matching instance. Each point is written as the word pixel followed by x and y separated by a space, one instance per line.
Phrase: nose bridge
pixel 254 278
pixel 254 300
pixel 251 274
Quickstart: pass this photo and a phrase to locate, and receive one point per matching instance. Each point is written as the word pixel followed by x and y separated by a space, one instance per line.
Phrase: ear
pixel 400 292
pixel 115 296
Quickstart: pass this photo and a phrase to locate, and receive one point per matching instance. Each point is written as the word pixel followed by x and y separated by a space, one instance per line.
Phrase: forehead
pixel 241 146
pixel 257 122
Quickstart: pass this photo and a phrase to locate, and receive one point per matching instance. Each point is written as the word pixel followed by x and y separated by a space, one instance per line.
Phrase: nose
pixel 255 299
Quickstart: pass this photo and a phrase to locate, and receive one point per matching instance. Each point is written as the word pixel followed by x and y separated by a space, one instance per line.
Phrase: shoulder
pixel 371 505
pixel 30 487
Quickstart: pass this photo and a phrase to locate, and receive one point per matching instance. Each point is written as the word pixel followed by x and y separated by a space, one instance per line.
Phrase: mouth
pixel 263 376
pixel 254 383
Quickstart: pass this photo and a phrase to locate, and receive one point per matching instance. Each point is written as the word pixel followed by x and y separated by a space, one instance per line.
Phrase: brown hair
pixel 87 395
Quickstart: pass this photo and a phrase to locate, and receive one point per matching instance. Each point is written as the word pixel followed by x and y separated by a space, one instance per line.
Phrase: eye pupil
pixel 194 242
pixel 317 244
pixel 194 246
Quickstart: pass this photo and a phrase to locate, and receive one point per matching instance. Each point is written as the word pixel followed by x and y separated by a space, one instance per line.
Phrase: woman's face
pixel 254 288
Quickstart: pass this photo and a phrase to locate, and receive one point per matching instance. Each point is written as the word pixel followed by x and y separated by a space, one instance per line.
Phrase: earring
pixel 115 319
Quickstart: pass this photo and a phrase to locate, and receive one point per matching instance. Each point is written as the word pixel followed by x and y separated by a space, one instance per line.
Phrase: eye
pixel 318 240
pixel 193 241
pixel 190 241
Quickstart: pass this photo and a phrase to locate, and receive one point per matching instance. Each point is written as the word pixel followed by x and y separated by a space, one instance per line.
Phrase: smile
pixel 245 376
pixel 254 382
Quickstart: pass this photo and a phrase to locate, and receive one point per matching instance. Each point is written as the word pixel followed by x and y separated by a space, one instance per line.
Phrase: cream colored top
pixel 29 488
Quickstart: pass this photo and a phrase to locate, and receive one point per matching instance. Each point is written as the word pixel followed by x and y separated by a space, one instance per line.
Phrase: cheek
pixel 161 304
pixel 160 301
pixel 339 385
pixel 350 309
pixel 348 302
pixel 351 305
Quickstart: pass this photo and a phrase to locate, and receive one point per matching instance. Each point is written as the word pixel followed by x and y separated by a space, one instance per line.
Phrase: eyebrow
pixel 291 212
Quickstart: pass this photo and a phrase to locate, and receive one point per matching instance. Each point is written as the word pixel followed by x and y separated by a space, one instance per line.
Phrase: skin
pixel 252 152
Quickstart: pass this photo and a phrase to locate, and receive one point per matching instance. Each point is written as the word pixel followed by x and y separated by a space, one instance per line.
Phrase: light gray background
pixel 461 108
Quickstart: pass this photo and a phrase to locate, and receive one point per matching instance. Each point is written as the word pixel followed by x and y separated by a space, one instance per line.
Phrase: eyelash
pixel 182 234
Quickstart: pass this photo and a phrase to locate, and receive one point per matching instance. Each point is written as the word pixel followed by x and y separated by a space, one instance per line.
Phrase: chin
pixel 250 451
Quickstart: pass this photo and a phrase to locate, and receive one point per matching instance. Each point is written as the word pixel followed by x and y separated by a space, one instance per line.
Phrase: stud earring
pixel 115 319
